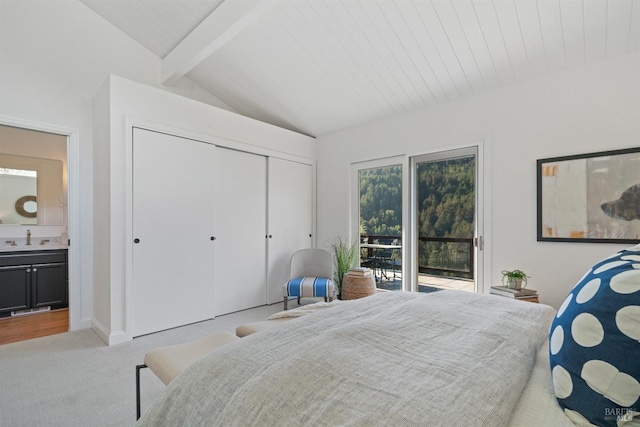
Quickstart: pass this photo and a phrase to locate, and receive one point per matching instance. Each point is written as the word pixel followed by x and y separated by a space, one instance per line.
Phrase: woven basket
pixel 354 287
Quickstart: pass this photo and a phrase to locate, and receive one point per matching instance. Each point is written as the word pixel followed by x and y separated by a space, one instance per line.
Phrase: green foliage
pixel 510 278
pixel 446 195
pixel 446 199
pixel 515 274
pixel 345 256
pixel 381 201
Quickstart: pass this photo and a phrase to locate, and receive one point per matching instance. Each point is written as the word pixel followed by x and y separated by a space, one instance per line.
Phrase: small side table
pixel 354 287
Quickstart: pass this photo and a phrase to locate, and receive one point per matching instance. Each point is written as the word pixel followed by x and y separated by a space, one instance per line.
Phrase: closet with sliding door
pixel 213 228
pixel 196 210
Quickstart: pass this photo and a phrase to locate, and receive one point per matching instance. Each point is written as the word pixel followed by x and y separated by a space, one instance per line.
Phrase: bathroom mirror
pixel 31 191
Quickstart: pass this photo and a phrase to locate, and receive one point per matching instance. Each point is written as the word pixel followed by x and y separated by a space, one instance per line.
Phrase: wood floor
pixel 36 325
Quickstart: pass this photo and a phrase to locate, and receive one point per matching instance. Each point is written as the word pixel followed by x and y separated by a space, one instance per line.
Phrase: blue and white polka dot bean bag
pixel 594 344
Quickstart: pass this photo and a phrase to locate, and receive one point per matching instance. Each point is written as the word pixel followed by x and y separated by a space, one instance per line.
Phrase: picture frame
pixel 589 198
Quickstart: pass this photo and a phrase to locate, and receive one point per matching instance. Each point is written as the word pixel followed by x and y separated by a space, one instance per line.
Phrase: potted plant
pixel 345 256
pixel 514 279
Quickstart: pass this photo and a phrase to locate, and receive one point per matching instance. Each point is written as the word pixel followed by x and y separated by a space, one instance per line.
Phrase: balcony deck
pixel 426 282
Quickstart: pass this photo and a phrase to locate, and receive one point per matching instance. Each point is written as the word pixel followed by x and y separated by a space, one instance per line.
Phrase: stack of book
pixel 513 293
pixel 360 271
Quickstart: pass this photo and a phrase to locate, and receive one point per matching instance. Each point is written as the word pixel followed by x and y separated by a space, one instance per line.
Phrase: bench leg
pixel 138 367
pixel 286 300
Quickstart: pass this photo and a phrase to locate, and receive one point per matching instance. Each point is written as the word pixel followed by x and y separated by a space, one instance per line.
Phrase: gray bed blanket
pixel 447 358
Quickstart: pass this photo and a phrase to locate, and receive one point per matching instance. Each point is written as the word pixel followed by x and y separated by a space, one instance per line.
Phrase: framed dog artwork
pixel 591 197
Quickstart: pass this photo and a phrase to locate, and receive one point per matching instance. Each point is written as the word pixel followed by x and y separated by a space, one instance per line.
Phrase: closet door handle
pixel 28 270
pixel 35 269
pixel 136 240
pixel 212 238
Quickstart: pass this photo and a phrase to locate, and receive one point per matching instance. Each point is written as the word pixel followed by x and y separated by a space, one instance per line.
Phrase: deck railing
pixel 449 255
pixel 442 256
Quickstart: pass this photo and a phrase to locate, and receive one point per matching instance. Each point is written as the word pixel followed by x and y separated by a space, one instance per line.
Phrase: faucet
pixel 28 238
pixel 10 242
pixel 44 242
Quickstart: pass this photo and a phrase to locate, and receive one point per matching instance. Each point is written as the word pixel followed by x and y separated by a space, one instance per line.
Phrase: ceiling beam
pixel 224 23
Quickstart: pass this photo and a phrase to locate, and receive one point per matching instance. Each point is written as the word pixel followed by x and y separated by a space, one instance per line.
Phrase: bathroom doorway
pixel 36 159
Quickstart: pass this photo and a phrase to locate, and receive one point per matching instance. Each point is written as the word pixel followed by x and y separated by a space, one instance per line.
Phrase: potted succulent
pixel 345 256
pixel 514 279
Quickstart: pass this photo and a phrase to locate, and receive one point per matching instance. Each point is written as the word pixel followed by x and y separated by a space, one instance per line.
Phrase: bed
pixel 446 358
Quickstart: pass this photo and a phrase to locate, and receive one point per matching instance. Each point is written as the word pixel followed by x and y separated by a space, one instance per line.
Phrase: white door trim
pixel 73 221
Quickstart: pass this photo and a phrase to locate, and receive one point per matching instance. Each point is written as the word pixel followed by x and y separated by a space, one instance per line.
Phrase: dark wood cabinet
pixel 33 279
pixel 15 289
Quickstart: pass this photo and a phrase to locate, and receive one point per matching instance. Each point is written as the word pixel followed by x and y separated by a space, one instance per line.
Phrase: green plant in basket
pixel 345 256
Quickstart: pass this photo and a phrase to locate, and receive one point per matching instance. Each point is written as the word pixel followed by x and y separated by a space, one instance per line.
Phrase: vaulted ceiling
pixel 316 66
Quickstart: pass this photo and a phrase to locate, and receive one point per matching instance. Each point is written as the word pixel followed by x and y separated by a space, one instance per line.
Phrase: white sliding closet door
pixel 173 220
pixel 241 210
pixel 290 219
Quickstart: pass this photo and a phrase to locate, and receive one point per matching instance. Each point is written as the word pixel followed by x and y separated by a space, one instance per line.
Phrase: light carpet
pixel 74 379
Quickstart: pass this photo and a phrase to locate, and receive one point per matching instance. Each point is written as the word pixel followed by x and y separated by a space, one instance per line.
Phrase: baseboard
pixel 100 330
pixel 118 338
pixel 109 338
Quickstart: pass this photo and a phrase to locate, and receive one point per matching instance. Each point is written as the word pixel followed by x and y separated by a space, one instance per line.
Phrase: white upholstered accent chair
pixel 310 275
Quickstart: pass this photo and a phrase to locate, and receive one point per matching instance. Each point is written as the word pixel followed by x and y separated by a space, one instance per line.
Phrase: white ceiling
pixel 316 66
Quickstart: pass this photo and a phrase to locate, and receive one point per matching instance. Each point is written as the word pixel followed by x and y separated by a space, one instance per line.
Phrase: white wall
pixel 54 55
pixel 589 109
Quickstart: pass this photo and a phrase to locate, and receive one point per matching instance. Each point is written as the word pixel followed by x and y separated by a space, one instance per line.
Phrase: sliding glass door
pixel 379 193
pixel 418 220
pixel 444 220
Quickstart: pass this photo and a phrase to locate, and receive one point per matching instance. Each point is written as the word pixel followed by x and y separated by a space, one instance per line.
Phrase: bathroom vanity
pixel 33 279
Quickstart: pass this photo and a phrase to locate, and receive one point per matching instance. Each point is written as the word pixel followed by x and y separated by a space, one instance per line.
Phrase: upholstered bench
pixel 167 362
pixel 251 328
pixel 277 319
